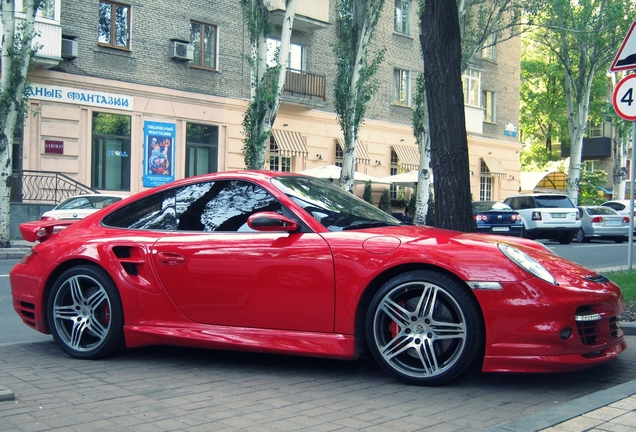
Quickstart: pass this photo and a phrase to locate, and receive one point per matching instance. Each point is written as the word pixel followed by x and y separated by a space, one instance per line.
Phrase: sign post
pixel 624 101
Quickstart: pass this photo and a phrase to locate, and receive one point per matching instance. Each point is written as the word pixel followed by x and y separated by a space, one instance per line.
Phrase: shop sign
pixel 158 153
pixel 55 147
pixel 81 97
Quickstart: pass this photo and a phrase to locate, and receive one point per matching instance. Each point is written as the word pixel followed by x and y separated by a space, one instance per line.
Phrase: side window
pixel 156 212
pixel 222 206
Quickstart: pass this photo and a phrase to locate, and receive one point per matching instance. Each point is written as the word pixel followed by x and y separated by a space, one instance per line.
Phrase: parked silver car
pixel 621 206
pixel 601 222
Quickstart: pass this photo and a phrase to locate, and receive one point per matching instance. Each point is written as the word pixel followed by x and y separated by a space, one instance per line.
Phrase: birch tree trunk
pixel 266 83
pixel 16 55
pixel 619 171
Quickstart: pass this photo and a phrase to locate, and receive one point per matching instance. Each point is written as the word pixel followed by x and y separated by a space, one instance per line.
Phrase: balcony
pixel 311 15
pixel 598 147
pixel 49 38
pixel 305 88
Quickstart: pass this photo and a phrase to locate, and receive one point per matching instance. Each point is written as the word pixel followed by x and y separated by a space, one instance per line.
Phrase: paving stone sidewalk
pixel 163 388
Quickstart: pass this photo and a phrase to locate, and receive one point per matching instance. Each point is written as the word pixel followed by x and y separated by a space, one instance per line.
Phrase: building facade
pixel 132 94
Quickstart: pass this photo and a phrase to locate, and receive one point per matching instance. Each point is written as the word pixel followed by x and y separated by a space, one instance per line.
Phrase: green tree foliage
pixel 534 157
pixel 385 202
pixel 589 188
pixel 368 192
pixel 356 21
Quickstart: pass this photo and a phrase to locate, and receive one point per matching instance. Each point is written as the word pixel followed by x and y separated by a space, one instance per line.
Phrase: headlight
pixel 526 262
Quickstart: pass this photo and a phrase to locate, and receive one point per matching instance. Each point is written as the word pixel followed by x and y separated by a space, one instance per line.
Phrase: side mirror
pixel 271 221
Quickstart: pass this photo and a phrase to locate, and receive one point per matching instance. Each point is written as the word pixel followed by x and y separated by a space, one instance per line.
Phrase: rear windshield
pixel 553 201
pixel 600 211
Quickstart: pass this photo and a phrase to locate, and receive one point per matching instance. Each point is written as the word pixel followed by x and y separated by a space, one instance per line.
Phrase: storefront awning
pixel 290 143
pixel 362 157
pixel 408 156
pixel 494 166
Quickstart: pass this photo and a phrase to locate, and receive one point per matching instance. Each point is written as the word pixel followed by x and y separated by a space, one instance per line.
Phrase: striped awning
pixel 494 166
pixel 362 157
pixel 408 156
pixel 290 143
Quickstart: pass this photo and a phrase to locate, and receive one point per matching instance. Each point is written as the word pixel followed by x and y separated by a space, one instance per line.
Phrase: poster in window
pixel 158 153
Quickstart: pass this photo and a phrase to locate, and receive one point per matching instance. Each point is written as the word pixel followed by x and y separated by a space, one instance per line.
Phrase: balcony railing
pixel 44 187
pixel 303 84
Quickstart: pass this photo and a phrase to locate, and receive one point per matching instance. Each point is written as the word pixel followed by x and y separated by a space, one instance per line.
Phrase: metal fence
pixel 44 187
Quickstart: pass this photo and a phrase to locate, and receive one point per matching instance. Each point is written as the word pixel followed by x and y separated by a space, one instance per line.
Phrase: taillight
pixel 536 215
pixel 597 219
pixel 626 219
pixel 514 217
pixel 481 217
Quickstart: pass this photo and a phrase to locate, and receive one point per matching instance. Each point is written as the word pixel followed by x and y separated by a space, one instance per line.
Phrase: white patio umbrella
pixel 332 172
pixel 407 179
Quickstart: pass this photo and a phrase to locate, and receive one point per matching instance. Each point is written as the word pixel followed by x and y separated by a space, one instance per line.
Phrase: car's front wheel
pixel 85 313
pixel 424 328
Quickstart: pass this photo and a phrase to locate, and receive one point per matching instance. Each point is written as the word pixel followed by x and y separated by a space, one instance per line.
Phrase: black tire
pixel 424 328
pixel 580 236
pixel 566 239
pixel 85 313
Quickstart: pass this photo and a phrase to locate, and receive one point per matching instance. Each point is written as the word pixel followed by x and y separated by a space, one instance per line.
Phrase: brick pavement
pixel 164 389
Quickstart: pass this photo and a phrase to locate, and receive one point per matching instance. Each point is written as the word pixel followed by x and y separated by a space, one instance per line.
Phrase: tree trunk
pixel 619 171
pixel 441 47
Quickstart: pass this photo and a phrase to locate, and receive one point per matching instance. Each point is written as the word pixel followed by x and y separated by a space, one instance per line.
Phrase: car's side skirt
pixel 332 345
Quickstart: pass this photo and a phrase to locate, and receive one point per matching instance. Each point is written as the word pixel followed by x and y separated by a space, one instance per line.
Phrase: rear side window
pixel 553 201
pixel 600 211
pixel 615 206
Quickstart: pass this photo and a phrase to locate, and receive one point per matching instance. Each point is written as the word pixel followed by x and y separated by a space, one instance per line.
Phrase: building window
pixel 595 131
pixel 485 183
pixel 402 17
pixel 114 24
pixel 472 87
pixel 204 42
pixel 393 190
pixel 490 51
pixel 339 155
pixel 401 87
pixel 111 152
pixel 276 161
pixel 295 59
pixel 591 165
pixel 202 149
pixel 488 104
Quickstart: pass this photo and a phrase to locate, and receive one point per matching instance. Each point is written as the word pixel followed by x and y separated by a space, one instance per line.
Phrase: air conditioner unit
pixel 69 49
pixel 182 50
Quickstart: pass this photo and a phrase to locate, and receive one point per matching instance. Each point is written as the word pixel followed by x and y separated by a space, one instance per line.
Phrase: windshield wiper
pixel 373 224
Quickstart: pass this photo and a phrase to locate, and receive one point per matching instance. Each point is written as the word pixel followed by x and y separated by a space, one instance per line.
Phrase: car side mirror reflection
pixel 271 221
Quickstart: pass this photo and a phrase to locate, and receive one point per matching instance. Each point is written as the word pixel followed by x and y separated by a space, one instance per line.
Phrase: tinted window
pixel 615 206
pixel 481 206
pixel 600 211
pixel 207 207
pixel 553 201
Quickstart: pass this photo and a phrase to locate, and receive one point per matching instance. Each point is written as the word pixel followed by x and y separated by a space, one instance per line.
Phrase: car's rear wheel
pixel 85 313
pixel 580 236
pixel 424 328
pixel 566 239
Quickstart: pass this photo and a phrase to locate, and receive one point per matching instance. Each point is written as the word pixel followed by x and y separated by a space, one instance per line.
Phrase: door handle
pixel 171 258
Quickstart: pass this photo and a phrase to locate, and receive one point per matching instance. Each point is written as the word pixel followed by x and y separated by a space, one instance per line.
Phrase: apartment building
pixel 120 83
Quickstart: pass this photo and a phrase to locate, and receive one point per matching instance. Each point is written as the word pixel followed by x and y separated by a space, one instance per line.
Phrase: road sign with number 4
pixel 624 99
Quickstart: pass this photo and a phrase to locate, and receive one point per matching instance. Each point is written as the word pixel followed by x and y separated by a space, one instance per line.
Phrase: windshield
pixel 334 208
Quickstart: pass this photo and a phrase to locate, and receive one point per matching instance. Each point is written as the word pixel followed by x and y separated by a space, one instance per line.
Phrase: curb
pixel 14 253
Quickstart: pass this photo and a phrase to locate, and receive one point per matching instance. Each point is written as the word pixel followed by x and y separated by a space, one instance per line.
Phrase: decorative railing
pixel 299 83
pixel 44 187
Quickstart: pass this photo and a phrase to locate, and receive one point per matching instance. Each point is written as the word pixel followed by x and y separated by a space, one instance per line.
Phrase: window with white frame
pixel 339 155
pixel 472 87
pixel 47 8
pixel 393 189
pixel 485 183
pixel 595 130
pixel 591 165
pixel 295 59
pixel 204 44
pixel 402 17
pixel 276 161
pixel 490 50
pixel 488 104
pixel 402 87
pixel 114 24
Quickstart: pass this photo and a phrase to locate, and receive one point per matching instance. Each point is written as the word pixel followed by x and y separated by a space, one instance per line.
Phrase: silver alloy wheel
pixel 420 330
pixel 82 313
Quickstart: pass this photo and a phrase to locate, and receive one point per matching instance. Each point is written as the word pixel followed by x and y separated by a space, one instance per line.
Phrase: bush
pixel 368 193
pixel 385 202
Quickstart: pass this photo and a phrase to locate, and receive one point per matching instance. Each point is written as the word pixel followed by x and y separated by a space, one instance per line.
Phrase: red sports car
pixel 284 263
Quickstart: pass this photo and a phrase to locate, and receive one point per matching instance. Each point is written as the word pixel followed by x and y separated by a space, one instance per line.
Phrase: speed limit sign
pixel 624 99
